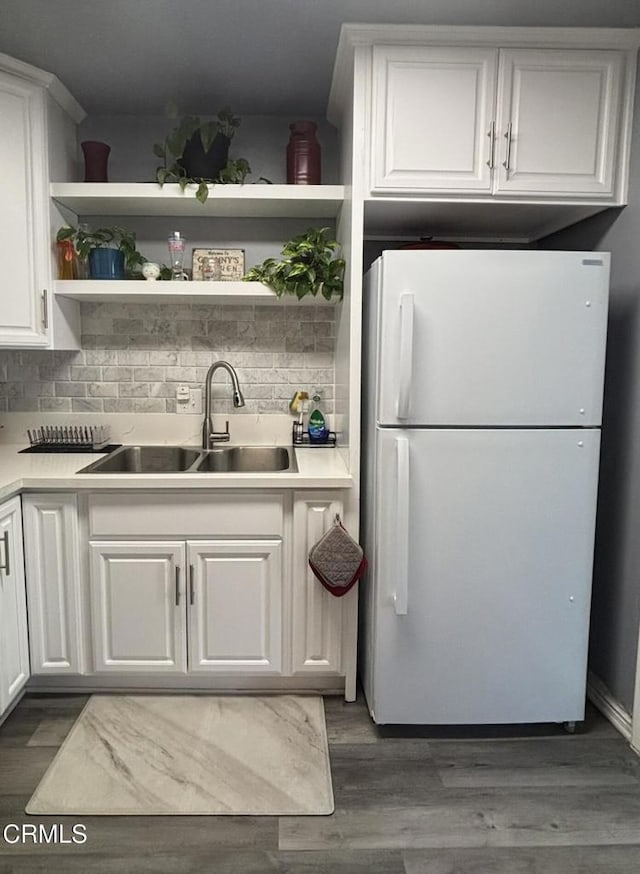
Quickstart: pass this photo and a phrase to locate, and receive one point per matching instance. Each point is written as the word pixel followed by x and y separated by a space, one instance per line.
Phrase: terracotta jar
pixel 303 154
pixel 67 261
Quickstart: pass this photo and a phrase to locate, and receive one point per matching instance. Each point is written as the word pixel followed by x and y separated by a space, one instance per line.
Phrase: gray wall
pixel 616 586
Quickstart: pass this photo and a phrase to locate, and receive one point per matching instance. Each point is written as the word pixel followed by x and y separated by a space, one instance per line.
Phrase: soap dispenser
pixel 318 430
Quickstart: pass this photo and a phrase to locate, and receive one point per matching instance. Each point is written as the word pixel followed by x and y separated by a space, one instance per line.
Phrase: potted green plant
pixel 308 266
pixel 111 252
pixel 197 152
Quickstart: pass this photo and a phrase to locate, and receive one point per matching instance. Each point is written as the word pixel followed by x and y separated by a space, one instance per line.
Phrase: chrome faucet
pixel 209 436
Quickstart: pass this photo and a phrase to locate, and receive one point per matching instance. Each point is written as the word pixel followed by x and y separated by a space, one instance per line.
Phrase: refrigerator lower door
pixel 481 575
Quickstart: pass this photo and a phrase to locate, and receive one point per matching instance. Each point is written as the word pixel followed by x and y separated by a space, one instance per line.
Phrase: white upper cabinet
pixel 24 224
pixel 432 109
pixel 521 122
pixel 557 122
pixel 37 146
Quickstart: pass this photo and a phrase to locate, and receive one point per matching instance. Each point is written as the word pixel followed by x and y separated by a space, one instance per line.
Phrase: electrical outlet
pixel 195 401
pixel 189 400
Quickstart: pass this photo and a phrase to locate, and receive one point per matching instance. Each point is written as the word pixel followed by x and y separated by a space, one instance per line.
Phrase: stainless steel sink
pixel 247 459
pixel 145 459
pixel 181 459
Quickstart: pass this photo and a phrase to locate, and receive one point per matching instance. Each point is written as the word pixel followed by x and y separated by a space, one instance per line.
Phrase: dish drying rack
pixel 69 438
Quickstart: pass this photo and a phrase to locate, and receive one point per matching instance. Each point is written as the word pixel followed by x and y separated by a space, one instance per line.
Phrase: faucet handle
pixel 221 436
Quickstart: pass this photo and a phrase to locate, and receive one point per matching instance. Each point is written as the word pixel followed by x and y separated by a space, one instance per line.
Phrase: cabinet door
pixel 317 615
pixel 24 223
pixel 431 120
pixel 557 122
pixel 52 563
pixel 138 606
pixel 235 606
pixel 14 649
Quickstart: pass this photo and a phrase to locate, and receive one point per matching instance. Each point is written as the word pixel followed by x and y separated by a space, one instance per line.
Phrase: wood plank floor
pixel 408 801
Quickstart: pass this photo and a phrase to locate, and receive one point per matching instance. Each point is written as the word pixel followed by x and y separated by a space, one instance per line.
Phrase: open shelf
pixel 230 201
pixel 142 291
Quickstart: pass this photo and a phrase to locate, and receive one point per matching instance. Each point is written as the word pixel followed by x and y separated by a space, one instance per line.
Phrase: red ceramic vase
pixel 303 154
pixel 96 156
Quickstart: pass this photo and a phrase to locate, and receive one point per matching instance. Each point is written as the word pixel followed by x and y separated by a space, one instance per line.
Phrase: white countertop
pixel 317 468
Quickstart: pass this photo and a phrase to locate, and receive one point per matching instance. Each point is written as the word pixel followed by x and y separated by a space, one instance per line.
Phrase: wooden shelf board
pixel 141 291
pixel 233 201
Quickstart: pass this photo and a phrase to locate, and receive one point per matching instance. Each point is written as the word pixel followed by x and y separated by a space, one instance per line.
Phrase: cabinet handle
pixel 45 309
pixel 491 163
pixel 508 137
pixel 6 567
pixel 177 586
pixel 192 588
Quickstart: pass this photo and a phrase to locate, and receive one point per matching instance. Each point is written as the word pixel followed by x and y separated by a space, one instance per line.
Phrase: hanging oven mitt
pixel 337 560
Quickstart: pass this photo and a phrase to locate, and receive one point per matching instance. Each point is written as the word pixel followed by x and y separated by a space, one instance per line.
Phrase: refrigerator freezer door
pixel 482 338
pixel 481 612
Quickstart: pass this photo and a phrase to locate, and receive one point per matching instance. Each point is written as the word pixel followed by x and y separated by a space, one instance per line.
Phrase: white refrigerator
pixel 483 383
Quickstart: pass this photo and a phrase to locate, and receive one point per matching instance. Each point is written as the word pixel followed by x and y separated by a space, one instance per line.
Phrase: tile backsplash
pixel 134 356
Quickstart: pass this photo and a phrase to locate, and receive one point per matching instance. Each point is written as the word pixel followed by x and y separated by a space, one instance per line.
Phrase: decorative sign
pixel 218 264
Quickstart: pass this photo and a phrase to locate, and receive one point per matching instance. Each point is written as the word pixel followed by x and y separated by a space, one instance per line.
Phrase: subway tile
pixel 23 405
pixel 100 356
pixel 133 356
pixel 148 374
pixel 117 374
pixel 70 389
pixel 149 405
pixel 55 405
pixel 121 405
pixel 180 374
pixel 85 373
pixel 103 390
pixel 128 326
pixel 38 389
pixel 162 356
pixel 133 389
pixel 163 389
pixel 86 405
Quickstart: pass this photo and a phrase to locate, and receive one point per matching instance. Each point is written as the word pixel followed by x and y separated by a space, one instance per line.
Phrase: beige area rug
pixel 198 755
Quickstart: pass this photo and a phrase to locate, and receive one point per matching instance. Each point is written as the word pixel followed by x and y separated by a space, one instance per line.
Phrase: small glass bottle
pixel 303 154
pixel 177 245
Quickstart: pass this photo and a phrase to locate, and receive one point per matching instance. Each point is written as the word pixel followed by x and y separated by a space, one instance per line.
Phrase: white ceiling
pixel 260 56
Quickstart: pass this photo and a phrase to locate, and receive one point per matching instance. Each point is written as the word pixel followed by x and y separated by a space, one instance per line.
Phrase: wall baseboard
pixel 601 697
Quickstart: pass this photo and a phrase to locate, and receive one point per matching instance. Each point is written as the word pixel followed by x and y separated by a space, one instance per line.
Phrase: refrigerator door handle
pixel 401 594
pixel 406 353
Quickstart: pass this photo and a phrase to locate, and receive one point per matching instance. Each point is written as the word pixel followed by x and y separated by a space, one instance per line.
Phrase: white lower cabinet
pixel 173 607
pixel 137 606
pixel 14 648
pixel 52 563
pixel 235 606
pixel 161 583
pixel 317 620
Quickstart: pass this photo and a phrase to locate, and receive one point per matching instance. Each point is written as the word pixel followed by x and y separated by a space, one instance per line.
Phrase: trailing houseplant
pixel 110 251
pixel 197 152
pixel 308 266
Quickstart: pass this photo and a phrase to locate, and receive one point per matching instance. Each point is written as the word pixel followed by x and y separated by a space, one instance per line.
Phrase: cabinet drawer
pixel 185 515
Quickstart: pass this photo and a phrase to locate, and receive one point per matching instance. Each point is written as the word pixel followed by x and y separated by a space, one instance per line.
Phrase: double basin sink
pixel 180 459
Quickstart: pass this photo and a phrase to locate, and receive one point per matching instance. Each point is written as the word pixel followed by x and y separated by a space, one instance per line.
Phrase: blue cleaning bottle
pixel 318 431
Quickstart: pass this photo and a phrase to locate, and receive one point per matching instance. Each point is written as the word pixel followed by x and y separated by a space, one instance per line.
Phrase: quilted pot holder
pixel 337 560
